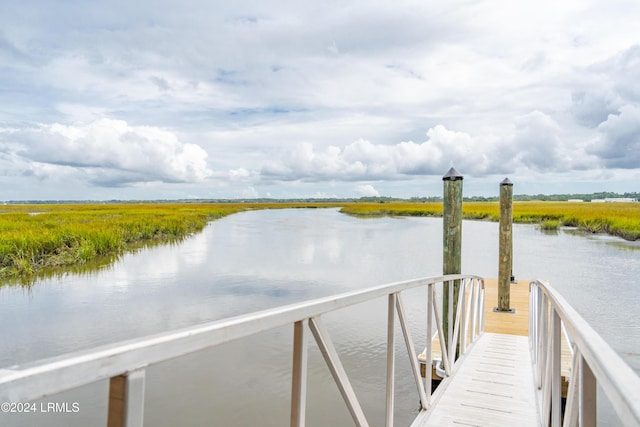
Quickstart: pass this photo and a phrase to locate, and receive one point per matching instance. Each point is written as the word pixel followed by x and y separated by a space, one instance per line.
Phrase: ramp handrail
pixel 594 363
pixel 125 363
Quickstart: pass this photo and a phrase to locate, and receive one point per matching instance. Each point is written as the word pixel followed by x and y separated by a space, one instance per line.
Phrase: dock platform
pixel 510 323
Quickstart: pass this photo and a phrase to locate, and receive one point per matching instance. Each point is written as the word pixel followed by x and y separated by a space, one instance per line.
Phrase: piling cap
pixel 506 181
pixel 452 175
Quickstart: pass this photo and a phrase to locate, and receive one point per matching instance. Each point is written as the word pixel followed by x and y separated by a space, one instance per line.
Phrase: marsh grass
pixel 618 219
pixel 550 225
pixel 38 238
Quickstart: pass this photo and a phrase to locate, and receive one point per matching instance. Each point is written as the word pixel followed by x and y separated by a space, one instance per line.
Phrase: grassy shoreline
pixel 37 239
pixel 617 219
pixel 40 239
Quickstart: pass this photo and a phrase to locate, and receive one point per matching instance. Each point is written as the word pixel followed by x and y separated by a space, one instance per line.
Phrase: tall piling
pixel 505 265
pixel 451 242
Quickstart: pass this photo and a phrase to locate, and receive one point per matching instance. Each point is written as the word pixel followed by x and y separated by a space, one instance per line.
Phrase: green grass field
pixel 36 239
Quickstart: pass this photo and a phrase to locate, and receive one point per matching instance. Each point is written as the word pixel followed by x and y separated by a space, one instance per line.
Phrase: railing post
pixel 126 400
pixel 474 308
pixel 299 374
pixel 543 337
pixel 466 312
pixel 570 416
pixel 532 319
pixel 481 308
pixel 556 375
pixel 505 246
pixel 429 355
pixel 391 359
pixel 588 400
pixel 441 337
pixel 451 312
pixel 456 339
pixel 452 240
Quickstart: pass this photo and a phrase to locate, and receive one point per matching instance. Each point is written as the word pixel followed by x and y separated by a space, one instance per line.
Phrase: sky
pixel 130 100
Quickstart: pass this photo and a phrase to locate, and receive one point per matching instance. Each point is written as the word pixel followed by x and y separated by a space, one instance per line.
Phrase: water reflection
pixel 605 238
pixel 88 268
pixel 549 232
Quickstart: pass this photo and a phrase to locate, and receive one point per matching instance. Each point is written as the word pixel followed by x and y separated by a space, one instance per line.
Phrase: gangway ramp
pixel 494 386
pixel 490 378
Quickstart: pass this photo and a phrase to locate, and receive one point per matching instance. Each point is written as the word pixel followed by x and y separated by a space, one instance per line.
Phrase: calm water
pixel 255 260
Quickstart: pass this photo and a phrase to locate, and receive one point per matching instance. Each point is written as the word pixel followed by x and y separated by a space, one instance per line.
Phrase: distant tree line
pixel 517 197
pixel 585 197
pixel 367 199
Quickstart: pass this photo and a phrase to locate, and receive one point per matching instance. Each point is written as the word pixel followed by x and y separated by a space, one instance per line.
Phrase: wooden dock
pixel 509 323
pixel 494 385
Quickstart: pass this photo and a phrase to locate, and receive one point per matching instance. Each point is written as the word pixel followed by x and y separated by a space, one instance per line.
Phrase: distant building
pixel 575 200
pixel 615 200
pixel 620 200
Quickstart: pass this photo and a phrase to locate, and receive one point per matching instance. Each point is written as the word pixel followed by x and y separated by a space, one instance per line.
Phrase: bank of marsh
pixel 37 238
pixel 42 237
pixel 618 219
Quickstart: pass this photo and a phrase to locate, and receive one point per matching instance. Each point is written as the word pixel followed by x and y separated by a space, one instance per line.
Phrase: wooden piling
pixel 451 239
pixel 505 245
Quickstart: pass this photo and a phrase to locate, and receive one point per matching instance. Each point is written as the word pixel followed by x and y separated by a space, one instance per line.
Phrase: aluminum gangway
pixel 529 367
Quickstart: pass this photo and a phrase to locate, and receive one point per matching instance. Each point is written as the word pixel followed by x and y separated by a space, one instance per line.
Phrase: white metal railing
pixel 594 364
pixel 465 328
pixel 124 364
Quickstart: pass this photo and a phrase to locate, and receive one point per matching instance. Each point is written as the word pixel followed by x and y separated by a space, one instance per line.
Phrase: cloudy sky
pixel 266 98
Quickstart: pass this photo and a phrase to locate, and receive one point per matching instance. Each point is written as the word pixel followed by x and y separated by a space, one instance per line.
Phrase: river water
pixel 260 259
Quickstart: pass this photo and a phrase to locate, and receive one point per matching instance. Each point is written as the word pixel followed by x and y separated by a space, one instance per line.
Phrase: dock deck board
pixel 494 386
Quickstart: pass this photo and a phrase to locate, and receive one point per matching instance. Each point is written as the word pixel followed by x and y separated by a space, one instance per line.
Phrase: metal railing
pixel 594 364
pixel 125 364
pixel 465 329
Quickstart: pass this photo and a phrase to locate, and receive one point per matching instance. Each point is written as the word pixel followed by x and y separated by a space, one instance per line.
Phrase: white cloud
pixel 240 174
pixel 367 190
pixel 533 146
pixel 606 86
pixel 110 152
pixel 592 107
pixel 308 96
pixel 537 142
pixel 248 193
pixel 619 142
